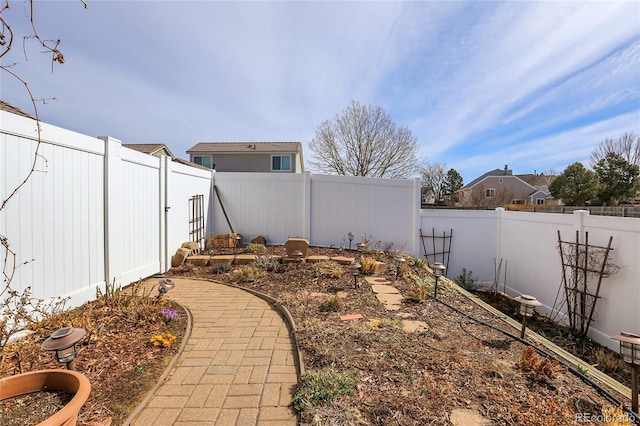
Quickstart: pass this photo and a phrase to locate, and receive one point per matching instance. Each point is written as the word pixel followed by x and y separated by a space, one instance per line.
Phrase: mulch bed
pixel 456 361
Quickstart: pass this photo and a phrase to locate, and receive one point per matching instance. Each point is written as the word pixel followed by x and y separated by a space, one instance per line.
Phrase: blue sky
pixel 535 85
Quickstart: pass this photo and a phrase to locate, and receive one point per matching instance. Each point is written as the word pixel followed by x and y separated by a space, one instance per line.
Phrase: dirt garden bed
pixel 425 363
pixel 422 363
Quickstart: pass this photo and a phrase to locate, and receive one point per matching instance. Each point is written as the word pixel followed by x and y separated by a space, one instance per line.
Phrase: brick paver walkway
pixel 237 367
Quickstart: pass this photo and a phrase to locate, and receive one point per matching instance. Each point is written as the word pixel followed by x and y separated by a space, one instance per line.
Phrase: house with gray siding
pixel 264 157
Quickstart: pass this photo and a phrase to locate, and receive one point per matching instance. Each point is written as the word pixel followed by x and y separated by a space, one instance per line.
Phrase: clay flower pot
pixel 68 381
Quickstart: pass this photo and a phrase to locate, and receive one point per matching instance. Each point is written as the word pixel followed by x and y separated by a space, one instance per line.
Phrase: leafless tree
pixel 17 308
pixel 363 141
pixel 626 146
pixel 433 179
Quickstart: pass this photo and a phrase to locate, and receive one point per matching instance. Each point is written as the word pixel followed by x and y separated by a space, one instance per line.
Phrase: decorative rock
pixel 384 289
pixel 413 326
pixel 259 240
pixel 343 260
pixel 464 417
pixel 377 280
pixel 390 299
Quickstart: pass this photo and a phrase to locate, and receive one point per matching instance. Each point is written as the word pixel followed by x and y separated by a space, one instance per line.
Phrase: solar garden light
pixel 297 255
pixel 361 247
pixel 401 262
pixel 65 344
pixel 438 271
pixel 236 241
pixel 630 350
pixel 355 271
pixel 527 305
pixel 164 285
pixel 351 236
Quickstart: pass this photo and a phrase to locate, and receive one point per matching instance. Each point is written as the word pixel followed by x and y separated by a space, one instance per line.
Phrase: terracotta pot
pixel 68 381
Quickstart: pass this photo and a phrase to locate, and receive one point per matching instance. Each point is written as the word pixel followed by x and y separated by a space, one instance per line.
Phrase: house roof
pixel 536 180
pixel 496 172
pixel 189 163
pixel 246 147
pixel 4 106
pixel 148 148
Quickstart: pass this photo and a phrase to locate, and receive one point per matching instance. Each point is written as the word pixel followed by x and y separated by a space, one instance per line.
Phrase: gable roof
pixel 4 106
pixel 246 147
pixel 495 172
pixel 148 148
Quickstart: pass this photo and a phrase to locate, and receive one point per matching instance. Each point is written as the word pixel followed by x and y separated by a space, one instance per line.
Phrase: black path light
pixel 438 271
pixel 65 344
pixel 401 262
pixel 355 271
pixel 528 304
pixel 164 285
pixel 297 256
pixel 630 350
pixel 361 247
pixel 351 236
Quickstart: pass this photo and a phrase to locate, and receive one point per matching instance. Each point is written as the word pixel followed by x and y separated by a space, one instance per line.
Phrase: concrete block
pixel 191 245
pixel 180 256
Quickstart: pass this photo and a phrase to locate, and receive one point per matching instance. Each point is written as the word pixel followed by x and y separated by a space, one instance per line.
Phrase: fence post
pixel 416 208
pixel 579 216
pixel 113 211
pixel 165 262
pixel 499 213
pixel 306 209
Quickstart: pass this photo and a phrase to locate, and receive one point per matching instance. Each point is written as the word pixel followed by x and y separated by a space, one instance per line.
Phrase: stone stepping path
pixel 387 294
pixel 391 298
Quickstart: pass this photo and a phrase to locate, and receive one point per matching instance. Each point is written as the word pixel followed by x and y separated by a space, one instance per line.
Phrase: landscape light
pixel 528 305
pixel 297 255
pixel 630 350
pixel 64 343
pixel 164 285
pixel 401 262
pixel 361 247
pixel 351 236
pixel 355 271
pixel 438 271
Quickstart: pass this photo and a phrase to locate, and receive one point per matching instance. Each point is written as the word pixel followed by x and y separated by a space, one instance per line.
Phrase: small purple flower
pixel 169 315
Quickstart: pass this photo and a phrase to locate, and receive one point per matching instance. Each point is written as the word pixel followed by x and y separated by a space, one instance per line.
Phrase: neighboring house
pixel 279 157
pixel 500 186
pixel 4 106
pixel 156 149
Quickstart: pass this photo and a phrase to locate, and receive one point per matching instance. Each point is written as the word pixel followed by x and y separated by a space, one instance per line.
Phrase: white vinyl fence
pixel 92 212
pixel 95 212
pixel 527 244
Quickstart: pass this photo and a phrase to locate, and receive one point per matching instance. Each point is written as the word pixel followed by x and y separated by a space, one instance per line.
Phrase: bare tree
pixel 17 308
pixel 363 141
pixel 626 146
pixel 434 180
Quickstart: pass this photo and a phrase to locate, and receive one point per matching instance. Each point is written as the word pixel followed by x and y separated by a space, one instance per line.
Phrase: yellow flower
pixel 163 339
